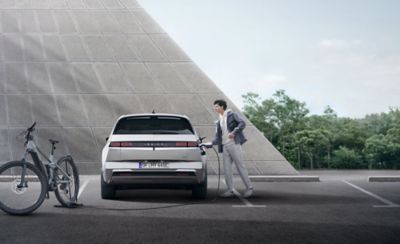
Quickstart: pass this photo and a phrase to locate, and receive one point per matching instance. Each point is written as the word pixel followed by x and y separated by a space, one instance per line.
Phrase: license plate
pixel 153 165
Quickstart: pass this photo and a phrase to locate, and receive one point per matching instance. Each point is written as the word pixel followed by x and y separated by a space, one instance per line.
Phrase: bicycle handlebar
pixel 29 130
pixel 32 128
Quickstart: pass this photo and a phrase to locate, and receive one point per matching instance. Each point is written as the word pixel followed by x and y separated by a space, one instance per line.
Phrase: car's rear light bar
pixel 154 144
pixel 122 144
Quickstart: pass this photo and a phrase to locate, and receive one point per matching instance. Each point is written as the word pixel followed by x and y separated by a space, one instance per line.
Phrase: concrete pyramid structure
pixel 75 66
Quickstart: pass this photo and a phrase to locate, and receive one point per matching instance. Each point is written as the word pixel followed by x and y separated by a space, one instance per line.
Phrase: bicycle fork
pixel 23 183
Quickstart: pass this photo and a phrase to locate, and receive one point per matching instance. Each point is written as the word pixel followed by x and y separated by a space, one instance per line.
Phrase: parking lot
pixel 342 208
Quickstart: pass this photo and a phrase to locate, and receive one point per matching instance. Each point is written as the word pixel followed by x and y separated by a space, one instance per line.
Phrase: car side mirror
pixel 107 138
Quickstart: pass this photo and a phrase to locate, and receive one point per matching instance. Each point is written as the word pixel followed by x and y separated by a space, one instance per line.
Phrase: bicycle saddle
pixel 53 141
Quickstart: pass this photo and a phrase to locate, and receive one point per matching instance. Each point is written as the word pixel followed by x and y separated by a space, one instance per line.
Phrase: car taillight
pixel 115 144
pixel 192 144
pixel 186 144
pixel 126 144
pixel 181 144
pixel 122 144
pixel 154 144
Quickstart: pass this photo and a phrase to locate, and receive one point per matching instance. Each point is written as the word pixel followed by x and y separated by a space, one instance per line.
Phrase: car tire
pixel 200 191
pixel 107 191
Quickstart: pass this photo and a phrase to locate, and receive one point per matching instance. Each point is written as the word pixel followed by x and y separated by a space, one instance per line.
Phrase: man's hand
pixel 231 136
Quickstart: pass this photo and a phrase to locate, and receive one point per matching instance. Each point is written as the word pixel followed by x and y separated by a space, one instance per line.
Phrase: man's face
pixel 218 109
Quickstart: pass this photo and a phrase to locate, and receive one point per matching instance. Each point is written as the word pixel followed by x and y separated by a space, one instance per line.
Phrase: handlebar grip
pixel 32 127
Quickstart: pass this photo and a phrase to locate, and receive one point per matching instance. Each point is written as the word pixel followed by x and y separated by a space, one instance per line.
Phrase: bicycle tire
pixel 67 193
pixel 7 176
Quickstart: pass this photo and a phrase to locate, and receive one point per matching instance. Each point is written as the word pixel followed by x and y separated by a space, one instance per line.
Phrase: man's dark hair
pixel 221 103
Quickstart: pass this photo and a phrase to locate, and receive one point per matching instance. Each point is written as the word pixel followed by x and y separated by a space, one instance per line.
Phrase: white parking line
pixel 389 204
pixel 247 203
pixel 82 188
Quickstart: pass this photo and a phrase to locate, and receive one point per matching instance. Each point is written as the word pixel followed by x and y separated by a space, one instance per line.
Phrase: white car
pixel 153 151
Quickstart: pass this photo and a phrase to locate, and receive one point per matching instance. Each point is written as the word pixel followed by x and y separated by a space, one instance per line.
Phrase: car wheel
pixel 200 191
pixel 107 191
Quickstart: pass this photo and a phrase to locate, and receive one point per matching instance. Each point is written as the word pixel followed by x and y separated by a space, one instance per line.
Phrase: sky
pixel 341 53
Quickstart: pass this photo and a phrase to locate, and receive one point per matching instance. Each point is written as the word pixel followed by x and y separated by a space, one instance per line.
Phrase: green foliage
pixel 276 115
pixel 383 151
pixel 344 158
pixel 312 143
pixel 381 123
pixel 325 141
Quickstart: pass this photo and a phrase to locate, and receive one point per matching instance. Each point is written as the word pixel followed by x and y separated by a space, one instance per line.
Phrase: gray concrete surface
pixel 67 63
pixel 330 211
pixel 384 178
pixel 284 178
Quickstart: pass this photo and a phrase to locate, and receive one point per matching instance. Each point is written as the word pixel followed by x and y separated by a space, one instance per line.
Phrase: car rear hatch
pixel 133 148
pixel 153 138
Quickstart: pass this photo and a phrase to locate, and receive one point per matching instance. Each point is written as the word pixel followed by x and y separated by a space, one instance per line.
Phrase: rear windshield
pixel 153 125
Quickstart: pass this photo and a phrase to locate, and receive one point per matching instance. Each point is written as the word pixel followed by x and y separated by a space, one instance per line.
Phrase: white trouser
pixel 233 153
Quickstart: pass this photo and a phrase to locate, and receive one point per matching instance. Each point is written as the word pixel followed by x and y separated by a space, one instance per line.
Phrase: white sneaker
pixel 248 193
pixel 228 193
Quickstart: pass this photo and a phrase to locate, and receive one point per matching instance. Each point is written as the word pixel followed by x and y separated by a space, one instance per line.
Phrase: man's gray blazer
pixel 235 125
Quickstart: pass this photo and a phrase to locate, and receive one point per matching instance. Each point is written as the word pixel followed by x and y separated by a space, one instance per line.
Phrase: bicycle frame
pixel 58 175
pixel 34 152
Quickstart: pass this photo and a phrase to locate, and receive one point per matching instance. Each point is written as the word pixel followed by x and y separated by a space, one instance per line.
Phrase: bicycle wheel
pixel 17 198
pixel 67 180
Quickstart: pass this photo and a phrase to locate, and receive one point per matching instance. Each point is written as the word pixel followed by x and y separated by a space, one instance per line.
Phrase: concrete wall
pixel 74 66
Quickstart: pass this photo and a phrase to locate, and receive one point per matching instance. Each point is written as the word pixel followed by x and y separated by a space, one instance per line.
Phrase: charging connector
pixel 206 145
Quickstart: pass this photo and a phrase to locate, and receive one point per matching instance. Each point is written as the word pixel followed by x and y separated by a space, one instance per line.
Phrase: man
pixel 229 138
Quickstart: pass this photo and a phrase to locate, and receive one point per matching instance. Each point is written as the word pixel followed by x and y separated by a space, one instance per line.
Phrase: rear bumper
pixel 177 175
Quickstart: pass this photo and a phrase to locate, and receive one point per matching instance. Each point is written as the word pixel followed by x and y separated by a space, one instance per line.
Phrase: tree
pixel 312 143
pixel 260 115
pixel 345 158
pixel 279 118
pixel 350 133
pixel 319 141
pixel 383 151
pixel 328 123
pixel 381 123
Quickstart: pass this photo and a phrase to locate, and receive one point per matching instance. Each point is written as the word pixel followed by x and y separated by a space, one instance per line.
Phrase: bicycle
pixel 24 186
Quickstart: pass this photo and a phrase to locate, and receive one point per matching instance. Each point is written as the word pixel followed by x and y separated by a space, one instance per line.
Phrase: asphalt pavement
pixel 342 208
